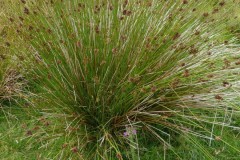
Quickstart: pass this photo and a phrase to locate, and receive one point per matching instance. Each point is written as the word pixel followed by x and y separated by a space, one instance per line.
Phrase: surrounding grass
pixel 122 80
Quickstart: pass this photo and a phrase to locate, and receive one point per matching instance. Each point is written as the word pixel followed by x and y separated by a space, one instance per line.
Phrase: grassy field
pixel 119 80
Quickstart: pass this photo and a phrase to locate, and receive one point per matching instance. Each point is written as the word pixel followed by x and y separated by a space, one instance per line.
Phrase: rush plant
pixel 11 83
pixel 111 74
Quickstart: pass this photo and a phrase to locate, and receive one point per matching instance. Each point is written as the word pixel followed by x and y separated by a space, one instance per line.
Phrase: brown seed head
pixel 217 138
pixel 11 19
pixel 97 30
pixel 26 10
pixel 215 10
pixel 64 145
pixel 74 149
pixel 226 84
pixel 23 1
pixel 222 3
pixel 218 97
pixel 185 2
pixel 237 63
pixel 127 12
pixel 119 156
pixel 153 89
pixel 78 44
pixel 114 50
pixel 205 14
pixel 29 133
pixel 186 73
pixel 176 36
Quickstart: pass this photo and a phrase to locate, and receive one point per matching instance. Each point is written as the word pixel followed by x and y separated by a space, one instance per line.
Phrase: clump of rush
pixel 164 69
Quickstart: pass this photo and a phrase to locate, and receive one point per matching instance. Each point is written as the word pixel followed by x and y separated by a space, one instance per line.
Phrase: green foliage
pixel 169 71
